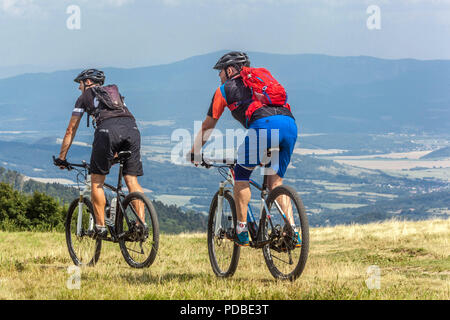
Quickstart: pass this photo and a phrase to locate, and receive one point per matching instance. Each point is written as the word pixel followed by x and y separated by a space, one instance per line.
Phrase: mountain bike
pixel 137 234
pixel 280 209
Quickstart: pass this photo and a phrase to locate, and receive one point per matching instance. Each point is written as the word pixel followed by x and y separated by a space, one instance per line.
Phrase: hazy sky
pixel 127 33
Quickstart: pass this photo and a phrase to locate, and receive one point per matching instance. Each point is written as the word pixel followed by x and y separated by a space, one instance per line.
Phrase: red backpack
pixel 266 90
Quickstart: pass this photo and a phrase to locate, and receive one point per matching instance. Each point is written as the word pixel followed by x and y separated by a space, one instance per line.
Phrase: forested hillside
pixel 28 186
pixel 31 205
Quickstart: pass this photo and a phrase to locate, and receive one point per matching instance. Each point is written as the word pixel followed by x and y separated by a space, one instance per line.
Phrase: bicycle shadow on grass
pixel 148 278
pixel 157 278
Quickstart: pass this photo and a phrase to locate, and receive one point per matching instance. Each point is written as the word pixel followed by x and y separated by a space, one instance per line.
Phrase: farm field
pixel 395 164
pixel 174 199
pixel 442 174
pixel 412 259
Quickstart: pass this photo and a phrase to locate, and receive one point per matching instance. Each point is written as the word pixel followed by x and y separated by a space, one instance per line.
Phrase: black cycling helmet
pixel 95 75
pixel 235 59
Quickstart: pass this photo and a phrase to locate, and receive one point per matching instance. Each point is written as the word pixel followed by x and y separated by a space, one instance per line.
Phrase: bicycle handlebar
pixel 70 166
pixel 217 163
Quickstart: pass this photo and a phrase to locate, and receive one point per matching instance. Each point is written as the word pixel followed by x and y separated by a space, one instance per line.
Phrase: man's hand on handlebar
pixel 196 159
pixel 61 163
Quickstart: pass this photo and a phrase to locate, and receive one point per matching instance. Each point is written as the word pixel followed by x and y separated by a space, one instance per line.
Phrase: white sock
pixel 241 226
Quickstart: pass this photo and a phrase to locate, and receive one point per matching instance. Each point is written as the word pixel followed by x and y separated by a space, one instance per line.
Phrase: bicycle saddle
pixel 124 156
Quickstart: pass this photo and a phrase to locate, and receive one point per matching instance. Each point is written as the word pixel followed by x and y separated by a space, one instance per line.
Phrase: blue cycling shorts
pixel 276 132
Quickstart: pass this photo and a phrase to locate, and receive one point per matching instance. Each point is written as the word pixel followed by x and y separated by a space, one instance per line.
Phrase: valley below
pixel 342 178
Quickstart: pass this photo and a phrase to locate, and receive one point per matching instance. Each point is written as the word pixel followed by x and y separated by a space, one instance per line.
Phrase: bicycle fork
pixel 218 224
pixel 86 192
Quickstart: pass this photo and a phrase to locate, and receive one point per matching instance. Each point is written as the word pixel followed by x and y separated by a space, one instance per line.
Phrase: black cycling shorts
pixel 112 136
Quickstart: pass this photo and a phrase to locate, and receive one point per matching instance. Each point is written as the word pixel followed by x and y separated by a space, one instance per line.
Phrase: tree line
pixel 37 212
pixel 35 206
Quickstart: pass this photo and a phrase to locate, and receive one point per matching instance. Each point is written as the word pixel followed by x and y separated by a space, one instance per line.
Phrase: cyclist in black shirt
pixel 116 131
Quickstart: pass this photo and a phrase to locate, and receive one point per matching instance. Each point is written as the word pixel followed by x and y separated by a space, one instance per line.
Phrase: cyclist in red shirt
pixel 236 96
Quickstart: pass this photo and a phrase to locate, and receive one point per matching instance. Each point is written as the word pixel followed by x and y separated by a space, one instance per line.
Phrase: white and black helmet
pixel 235 59
pixel 95 75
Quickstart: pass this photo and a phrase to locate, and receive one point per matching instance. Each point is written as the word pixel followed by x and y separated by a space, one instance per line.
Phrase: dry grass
pixel 413 258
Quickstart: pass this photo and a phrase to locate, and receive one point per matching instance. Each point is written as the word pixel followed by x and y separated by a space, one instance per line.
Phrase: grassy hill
pixel 413 258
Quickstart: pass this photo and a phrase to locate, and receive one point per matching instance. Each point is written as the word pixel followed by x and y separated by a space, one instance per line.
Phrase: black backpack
pixel 108 97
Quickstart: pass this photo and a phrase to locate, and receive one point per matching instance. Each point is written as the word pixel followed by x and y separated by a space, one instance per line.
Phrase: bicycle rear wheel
pixel 138 243
pixel 285 256
pixel 223 252
pixel 83 248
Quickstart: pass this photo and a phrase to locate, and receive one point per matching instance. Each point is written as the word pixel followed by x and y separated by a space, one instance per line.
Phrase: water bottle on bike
pixel 111 210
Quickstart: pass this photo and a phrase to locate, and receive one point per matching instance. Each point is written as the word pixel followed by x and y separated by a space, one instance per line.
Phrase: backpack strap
pixel 236 104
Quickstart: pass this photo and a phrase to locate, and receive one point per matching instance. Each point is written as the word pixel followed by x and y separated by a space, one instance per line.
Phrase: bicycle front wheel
pixel 223 252
pixel 84 249
pixel 287 252
pixel 138 243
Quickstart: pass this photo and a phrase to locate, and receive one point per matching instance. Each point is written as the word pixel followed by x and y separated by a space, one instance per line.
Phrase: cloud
pixel 114 3
pixel 17 7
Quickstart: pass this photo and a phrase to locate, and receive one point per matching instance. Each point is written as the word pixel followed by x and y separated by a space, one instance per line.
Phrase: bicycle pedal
pixel 101 237
pixel 109 222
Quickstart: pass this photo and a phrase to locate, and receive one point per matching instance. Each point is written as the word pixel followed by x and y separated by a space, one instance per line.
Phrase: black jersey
pixel 88 102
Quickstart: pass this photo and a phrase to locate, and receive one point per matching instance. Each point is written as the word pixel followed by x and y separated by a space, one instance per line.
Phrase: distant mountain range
pixel 327 94
pixel 11 71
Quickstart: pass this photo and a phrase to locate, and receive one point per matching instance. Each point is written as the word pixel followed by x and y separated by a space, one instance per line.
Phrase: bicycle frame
pixel 263 214
pixel 258 240
pixel 275 233
pixel 120 195
pixel 85 190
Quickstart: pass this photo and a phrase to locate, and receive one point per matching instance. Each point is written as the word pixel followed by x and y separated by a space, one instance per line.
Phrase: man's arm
pixel 216 109
pixel 203 135
pixel 69 136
